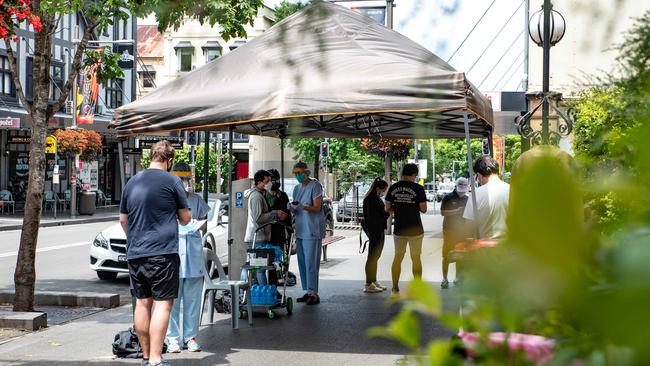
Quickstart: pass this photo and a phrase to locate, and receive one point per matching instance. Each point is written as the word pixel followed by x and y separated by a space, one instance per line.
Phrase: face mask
pixel 300 178
pixel 381 194
pixel 186 186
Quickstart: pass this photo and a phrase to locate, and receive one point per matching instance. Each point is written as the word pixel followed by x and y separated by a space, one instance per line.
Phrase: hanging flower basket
pixel 85 143
pixel 395 148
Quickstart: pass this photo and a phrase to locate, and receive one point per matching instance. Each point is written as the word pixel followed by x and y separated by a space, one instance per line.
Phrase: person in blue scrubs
pixel 307 206
pixel 190 251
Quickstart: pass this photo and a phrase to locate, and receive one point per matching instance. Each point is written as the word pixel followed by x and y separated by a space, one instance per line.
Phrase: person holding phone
pixel 307 207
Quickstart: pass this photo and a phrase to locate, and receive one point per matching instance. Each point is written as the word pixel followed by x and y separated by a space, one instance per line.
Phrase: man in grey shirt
pixel 153 203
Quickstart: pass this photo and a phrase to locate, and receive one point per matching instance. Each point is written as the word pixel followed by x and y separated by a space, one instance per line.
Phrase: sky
pixel 442 25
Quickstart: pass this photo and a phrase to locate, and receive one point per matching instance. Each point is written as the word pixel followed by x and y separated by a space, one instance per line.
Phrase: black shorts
pixel 155 277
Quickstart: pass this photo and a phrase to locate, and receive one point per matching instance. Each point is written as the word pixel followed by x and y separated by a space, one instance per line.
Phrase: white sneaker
pixel 382 287
pixel 371 288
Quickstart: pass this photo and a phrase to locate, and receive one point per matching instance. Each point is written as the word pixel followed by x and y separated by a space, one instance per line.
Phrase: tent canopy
pixel 323 72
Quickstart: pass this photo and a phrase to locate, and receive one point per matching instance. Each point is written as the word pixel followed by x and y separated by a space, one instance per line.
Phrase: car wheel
pixel 106 276
pixel 329 226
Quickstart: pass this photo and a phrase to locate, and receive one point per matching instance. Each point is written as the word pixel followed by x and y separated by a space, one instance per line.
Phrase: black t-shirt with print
pixel 406 198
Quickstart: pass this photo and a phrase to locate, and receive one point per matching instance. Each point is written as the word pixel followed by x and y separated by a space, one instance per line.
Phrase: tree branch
pixel 16 77
pixel 76 66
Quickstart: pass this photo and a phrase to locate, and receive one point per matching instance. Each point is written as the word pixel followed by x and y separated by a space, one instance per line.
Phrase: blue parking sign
pixel 239 199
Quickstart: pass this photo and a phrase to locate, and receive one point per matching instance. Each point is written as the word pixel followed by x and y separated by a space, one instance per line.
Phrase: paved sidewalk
pixel 332 333
pixel 103 214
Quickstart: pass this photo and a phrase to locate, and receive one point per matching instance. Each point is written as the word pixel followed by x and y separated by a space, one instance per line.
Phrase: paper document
pixel 190 228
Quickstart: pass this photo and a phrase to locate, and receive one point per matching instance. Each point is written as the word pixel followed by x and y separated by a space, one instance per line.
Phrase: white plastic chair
pixel 211 286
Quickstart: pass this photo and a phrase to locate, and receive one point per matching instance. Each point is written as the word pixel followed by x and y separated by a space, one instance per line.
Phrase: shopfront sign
pixel 8 122
pixel 89 174
pixel 88 91
pixel 126 55
pixel 19 164
pixel 19 140
pixel 147 144
pixel 50 145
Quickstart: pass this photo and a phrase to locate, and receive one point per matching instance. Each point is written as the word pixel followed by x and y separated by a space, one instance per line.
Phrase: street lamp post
pixel 546 28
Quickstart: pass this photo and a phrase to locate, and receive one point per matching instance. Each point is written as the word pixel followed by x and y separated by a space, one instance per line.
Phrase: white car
pixel 108 250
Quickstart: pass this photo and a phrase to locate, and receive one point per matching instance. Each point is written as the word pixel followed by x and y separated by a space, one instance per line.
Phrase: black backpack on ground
pixel 126 344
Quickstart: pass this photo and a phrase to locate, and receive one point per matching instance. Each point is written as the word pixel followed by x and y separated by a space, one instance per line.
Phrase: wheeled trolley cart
pixel 270 299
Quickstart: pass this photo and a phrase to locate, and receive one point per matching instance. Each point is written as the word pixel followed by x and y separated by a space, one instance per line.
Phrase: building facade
pixel 167 56
pixel 15 126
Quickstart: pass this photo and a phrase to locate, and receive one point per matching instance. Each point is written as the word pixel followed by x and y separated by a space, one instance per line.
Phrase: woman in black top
pixel 374 217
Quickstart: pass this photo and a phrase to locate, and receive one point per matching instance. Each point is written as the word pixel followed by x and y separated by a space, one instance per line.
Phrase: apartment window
pixel 211 50
pixel 29 82
pixel 56 83
pixel 185 59
pixel 184 51
pixel 148 76
pixel 114 93
pixel 7 81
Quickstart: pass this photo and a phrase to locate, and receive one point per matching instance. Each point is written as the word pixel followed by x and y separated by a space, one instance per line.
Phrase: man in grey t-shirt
pixel 153 203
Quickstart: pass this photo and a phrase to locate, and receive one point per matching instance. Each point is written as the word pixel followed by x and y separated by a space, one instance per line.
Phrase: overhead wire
pixel 508 70
pixel 495 37
pixel 471 31
pixel 502 56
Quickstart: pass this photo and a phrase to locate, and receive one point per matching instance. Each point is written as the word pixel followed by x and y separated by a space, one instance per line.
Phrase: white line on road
pixel 47 249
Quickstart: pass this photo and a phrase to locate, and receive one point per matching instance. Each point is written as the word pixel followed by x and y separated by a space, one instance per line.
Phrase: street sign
pixel 50 145
pixel 239 199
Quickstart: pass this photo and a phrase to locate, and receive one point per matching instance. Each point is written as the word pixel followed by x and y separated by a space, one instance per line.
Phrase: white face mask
pixel 381 194
pixel 187 186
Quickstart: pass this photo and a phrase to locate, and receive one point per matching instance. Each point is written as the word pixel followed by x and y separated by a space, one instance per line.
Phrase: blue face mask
pixel 300 178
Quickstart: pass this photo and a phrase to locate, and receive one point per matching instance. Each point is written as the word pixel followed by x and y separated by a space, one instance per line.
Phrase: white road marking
pixel 47 249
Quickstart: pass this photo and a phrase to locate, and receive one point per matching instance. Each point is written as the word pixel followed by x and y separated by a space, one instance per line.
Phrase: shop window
pixel 114 93
pixel 8 88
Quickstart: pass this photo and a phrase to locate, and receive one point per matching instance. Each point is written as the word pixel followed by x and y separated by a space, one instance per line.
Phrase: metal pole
pixel 388 161
pixel 218 150
pixel 73 183
pixel 526 44
pixel 231 275
pixel 206 164
pixel 389 14
pixel 545 82
pixel 470 167
pixel 120 156
pixel 433 167
pixel 282 163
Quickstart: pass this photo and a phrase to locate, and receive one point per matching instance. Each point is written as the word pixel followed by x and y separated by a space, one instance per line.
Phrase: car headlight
pixel 100 241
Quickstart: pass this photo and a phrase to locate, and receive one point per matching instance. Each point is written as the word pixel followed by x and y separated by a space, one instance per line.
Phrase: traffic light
pixel 191 137
pixel 324 149
pixel 486 146
pixel 224 148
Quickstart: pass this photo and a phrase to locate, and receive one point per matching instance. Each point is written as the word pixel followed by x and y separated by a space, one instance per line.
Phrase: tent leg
pixel 206 160
pixel 120 157
pixel 282 163
pixel 470 166
pixel 491 143
pixel 231 275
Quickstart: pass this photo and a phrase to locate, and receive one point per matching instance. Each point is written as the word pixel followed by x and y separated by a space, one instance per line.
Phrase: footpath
pixel 103 214
pixel 331 333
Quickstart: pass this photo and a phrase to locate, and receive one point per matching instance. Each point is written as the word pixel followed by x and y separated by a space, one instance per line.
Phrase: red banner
pixel 87 92
pixel 499 153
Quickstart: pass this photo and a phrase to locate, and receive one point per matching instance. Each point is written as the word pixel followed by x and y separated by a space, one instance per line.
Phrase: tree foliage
pixel 96 16
pixel 556 274
pixel 286 8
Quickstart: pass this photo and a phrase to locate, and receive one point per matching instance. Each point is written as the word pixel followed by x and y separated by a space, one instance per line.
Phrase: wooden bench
pixel 327 241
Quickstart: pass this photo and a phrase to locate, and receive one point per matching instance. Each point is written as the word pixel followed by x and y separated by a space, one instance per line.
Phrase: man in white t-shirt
pixel 491 200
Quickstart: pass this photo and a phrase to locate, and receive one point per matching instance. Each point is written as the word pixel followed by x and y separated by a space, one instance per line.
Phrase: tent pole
pixel 282 163
pixel 470 166
pixel 120 157
pixel 491 143
pixel 230 199
pixel 206 162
